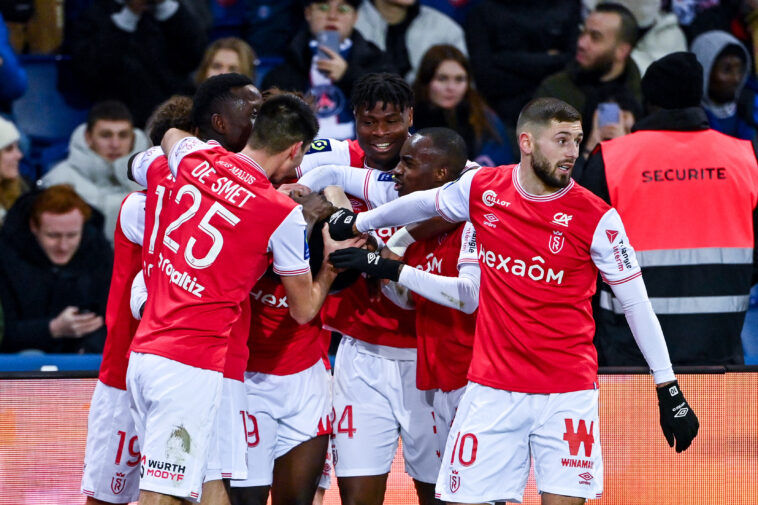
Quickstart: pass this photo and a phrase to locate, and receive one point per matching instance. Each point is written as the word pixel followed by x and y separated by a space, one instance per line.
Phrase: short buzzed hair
pixel 211 95
pixel 449 143
pixel 108 110
pixel 373 88
pixel 541 112
pixel 282 121
pixel 628 30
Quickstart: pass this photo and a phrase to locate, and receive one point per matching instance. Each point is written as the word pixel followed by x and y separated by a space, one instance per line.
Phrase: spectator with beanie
pixel 687 195
pixel 329 75
pixel 55 268
pixel 406 30
pixel 726 67
pixel 12 185
pixel 97 158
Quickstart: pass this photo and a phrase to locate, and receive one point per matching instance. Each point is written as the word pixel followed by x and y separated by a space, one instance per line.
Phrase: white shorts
pixel 111 460
pixel 375 398
pixel 228 453
pixel 496 433
pixel 283 411
pixel 174 408
pixel 445 405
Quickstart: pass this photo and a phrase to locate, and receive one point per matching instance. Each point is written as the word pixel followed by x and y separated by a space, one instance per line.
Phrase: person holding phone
pixel 325 60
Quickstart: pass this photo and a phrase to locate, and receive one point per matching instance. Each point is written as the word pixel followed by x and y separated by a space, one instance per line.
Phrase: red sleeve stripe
pixel 468 260
pixel 621 281
pixel 365 189
pixel 292 272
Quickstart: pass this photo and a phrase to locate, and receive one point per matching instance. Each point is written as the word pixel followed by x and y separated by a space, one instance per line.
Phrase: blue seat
pixel 750 330
pixel 43 114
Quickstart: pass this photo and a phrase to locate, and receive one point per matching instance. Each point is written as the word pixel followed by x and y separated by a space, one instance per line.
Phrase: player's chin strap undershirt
pixel 420 205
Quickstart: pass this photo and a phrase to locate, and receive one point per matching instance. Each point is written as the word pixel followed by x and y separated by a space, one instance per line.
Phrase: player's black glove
pixel 364 261
pixel 341 224
pixel 678 420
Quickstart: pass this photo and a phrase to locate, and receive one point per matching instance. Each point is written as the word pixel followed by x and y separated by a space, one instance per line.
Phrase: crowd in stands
pixel 472 64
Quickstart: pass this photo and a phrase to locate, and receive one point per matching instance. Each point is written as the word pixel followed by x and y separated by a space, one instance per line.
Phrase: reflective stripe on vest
pixel 684 304
pixel 696 256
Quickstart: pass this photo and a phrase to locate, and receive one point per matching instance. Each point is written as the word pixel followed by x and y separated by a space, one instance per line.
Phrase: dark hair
pixel 541 111
pixel 58 199
pixel 449 143
pixel 176 112
pixel 628 31
pixel 381 87
pixel 282 121
pixel 434 57
pixel 732 50
pixel 109 110
pixel 211 95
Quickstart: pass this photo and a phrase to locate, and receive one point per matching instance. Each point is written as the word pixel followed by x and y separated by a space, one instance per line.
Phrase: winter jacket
pixel 33 291
pixel 662 38
pixel 103 184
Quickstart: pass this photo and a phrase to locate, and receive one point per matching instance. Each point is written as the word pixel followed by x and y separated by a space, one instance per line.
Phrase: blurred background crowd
pixel 80 78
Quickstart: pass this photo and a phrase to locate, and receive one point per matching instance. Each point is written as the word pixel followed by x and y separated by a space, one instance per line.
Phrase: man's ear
pixel 410 117
pixel 295 149
pixel 623 50
pixel 218 123
pixel 525 142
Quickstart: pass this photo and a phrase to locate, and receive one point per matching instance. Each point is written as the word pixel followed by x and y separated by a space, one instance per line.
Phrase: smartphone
pixel 330 39
pixel 608 113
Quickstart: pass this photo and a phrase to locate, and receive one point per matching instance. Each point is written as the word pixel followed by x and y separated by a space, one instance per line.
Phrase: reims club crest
pixel 118 482
pixel 555 242
pixel 455 481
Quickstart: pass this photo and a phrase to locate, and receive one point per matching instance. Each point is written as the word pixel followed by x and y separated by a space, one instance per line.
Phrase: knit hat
pixel 8 133
pixel 674 81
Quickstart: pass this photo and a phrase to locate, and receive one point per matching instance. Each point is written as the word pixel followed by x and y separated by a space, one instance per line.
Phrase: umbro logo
pixel 682 412
pixel 491 218
pixel 586 476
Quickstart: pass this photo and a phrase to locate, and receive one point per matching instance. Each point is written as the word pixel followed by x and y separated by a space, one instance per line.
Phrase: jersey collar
pixel 538 198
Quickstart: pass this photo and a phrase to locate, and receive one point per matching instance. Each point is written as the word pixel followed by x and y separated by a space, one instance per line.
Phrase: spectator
pixel 137 51
pixel 97 159
pixel 55 270
pixel 692 225
pixel 726 66
pixel 405 30
pixel 510 63
pixel 330 79
pixel 660 33
pixel 12 185
pixel 223 56
pixel 12 74
pixel 445 96
pixel 602 70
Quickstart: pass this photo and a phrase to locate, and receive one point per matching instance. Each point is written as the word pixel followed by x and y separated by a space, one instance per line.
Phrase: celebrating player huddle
pixel 468 334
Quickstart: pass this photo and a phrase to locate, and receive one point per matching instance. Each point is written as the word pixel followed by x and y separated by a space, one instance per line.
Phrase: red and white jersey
pixel 332 152
pixel 278 344
pixel 539 257
pixel 150 169
pixel 127 261
pixel 225 222
pixel 350 311
pixel 445 336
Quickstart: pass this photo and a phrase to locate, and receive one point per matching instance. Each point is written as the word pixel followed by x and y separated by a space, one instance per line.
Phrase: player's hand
pixel 71 323
pixel 678 420
pixel 342 224
pixel 334 67
pixel 294 190
pixel 315 207
pixel 331 245
pixel 368 262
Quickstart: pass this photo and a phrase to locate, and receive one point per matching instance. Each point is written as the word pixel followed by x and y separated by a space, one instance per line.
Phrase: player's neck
pixel 268 162
pixel 532 184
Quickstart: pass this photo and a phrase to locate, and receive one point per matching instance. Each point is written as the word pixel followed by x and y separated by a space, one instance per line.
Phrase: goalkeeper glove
pixel 678 420
pixel 341 224
pixel 364 261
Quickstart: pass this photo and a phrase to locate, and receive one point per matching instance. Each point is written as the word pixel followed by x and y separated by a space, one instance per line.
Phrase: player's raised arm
pixel 352 180
pixel 615 259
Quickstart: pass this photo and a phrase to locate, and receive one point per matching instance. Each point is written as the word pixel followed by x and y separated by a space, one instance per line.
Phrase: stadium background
pixel 43 424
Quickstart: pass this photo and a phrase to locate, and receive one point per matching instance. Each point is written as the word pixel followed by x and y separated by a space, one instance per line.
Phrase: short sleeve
pixel 452 200
pixel 185 146
pixel 132 217
pixel 140 164
pixel 611 251
pixel 289 245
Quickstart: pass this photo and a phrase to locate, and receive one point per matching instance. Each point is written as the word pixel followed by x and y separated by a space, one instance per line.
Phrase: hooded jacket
pixel 103 184
pixel 663 37
pixel 33 290
pixel 722 117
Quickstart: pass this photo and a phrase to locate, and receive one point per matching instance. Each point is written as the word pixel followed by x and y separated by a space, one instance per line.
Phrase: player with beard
pixel 533 378
pixel 603 70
